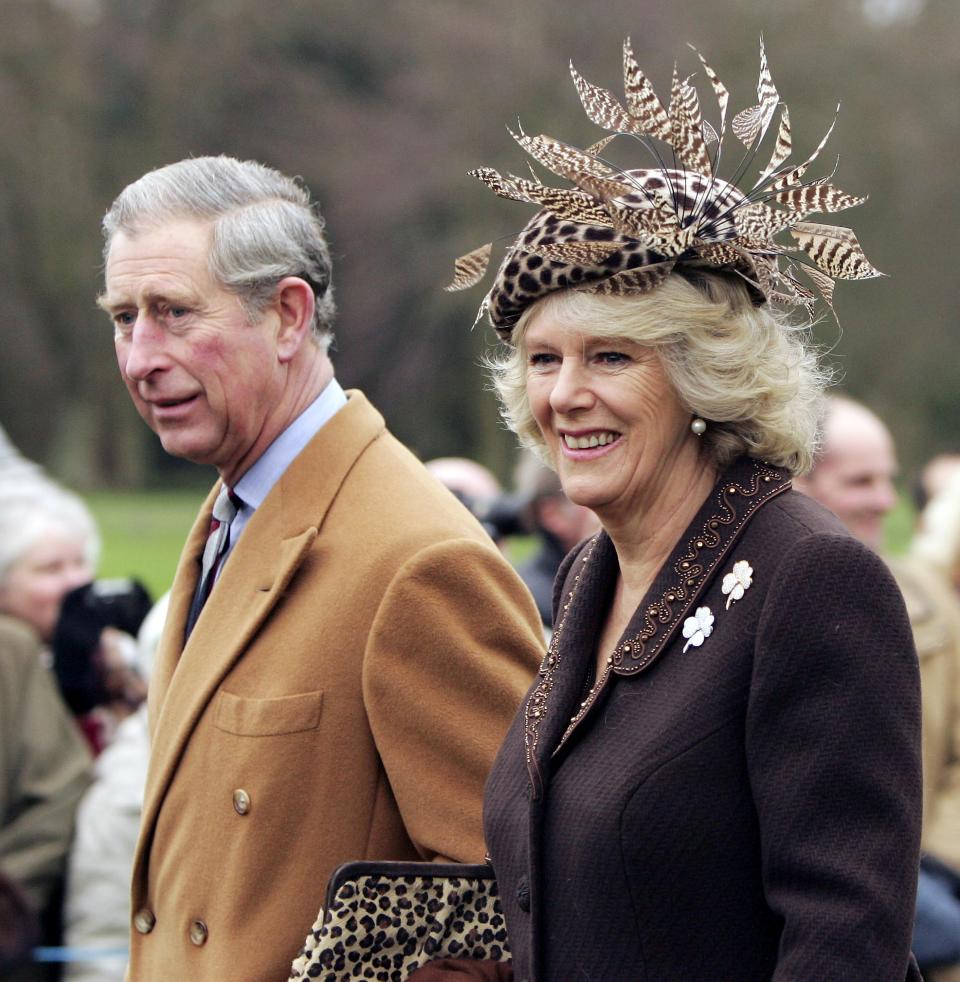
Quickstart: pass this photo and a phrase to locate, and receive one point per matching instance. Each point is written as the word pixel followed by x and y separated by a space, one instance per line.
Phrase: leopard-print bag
pixel 383 920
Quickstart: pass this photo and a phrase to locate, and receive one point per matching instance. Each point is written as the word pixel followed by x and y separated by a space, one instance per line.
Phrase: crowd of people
pixel 690 738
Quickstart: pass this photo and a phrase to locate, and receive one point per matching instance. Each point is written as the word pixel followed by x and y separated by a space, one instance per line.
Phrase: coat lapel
pixel 558 702
pixel 274 544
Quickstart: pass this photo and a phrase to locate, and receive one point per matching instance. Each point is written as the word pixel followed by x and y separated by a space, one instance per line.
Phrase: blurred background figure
pixel 95 656
pixel 18 925
pixel 853 476
pixel 556 523
pixel 48 547
pixel 44 768
pixel 934 477
pixel 97 908
pixel 937 541
pixel 854 470
pixel 476 487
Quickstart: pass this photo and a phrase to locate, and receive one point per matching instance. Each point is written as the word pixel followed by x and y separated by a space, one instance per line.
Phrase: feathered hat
pixel 624 231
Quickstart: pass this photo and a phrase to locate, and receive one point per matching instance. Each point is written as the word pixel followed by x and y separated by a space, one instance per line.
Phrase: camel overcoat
pixel 739 803
pixel 342 696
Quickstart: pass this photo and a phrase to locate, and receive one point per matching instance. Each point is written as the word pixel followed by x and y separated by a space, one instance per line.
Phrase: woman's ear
pixel 294 305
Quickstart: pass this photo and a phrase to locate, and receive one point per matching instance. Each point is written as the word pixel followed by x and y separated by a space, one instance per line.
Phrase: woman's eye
pixel 613 357
pixel 539 359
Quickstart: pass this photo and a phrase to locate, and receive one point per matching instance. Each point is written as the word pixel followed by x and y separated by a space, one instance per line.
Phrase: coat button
pixel 198 933
pixel 523 895
pixel 241 801
pixel 144 921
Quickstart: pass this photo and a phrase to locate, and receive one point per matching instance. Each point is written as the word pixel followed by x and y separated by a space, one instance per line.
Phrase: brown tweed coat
pixel 747 809
pixel 342 696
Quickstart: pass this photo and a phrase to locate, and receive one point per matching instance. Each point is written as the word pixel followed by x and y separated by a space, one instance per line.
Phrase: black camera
pixel 86 611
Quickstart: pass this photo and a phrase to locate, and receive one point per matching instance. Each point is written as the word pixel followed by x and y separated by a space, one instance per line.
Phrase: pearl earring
pixel 698 426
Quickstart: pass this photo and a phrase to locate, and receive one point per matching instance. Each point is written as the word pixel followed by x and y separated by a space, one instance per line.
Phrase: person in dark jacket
pixel 716 774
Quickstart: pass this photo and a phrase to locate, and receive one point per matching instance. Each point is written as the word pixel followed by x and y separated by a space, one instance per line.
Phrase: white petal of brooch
pixel 698 628
pixel 738 582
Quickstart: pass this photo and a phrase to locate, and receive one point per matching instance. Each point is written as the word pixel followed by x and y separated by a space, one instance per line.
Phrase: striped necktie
pixel 218 542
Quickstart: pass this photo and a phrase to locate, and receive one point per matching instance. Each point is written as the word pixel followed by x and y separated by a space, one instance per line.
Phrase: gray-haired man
pixel 360 645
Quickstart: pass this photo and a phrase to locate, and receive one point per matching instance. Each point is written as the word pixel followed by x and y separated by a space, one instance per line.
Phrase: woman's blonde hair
pixel 747 370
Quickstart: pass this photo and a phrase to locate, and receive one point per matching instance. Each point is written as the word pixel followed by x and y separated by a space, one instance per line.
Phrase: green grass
pixel 143 532
pixel 898 526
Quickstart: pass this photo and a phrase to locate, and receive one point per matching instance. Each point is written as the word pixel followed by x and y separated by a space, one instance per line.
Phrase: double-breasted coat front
pixel 738 797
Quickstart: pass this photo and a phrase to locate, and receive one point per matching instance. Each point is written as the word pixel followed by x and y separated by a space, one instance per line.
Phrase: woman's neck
pixel 646 536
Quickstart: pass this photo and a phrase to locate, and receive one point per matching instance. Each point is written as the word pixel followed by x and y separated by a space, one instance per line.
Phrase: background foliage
pixel 382 107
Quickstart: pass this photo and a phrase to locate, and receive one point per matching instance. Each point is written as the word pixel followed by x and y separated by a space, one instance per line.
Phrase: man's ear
pixel 294 305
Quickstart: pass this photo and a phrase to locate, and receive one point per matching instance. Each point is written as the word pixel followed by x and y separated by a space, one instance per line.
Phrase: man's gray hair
pixel 264 227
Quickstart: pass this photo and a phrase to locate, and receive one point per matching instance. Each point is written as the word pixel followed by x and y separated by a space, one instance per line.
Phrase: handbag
pixel 383 920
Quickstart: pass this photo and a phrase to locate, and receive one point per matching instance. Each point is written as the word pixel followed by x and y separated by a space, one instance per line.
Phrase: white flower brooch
pixel 698 628
pixel 738 582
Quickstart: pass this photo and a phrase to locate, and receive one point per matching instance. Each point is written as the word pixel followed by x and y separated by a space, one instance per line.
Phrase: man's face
pixel 854 479
pixel 202 376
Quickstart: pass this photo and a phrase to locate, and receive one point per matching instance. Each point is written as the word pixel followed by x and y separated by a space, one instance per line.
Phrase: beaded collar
pixel 746 486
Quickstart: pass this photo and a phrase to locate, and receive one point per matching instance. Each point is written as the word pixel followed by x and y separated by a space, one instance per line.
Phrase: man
pixel 344 688
pixel 855 469
pixel 853 476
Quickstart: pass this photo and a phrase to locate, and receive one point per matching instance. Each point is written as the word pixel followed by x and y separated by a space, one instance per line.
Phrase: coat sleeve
pixel 453 649
pixel 833 747
pixel 940 689
pixel 50 772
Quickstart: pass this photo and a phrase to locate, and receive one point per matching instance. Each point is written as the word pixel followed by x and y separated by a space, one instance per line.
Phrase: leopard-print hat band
pixel 624 231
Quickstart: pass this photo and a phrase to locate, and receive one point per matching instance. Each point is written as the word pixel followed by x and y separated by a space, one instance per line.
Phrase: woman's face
pixel 610 417
pixel 35 585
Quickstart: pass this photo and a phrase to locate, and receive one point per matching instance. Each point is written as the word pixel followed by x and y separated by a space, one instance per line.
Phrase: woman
pixel 48 547
pixel 716 774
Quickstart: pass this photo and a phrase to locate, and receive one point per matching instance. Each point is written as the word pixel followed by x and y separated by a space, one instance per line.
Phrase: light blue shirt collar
pixel 257 483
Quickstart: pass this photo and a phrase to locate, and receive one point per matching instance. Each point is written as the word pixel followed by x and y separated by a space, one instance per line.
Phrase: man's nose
pixel 142 351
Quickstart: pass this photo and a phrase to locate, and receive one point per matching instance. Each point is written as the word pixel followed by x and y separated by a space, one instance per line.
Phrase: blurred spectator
pixel 476 487
pixel 934 477
pixel 19 929
pixel 937 541
pixel 95 655
pixel 853 476
pixel 44 768
pixel 97 911
pixel 48 547
pixel 855 469
pixel 556 522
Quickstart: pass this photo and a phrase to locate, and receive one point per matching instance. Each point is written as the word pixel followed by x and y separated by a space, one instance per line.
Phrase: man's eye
pixel 176 312
pixel 124 319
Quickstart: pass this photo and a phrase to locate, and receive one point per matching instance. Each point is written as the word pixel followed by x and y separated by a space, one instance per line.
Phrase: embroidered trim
pixel 695 565
pixel 536 706
pixel 693 573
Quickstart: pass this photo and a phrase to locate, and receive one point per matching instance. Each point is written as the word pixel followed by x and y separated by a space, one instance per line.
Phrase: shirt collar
pixel 256 484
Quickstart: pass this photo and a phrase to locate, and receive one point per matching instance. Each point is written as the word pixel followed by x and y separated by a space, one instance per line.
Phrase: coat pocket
pixel 245 716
